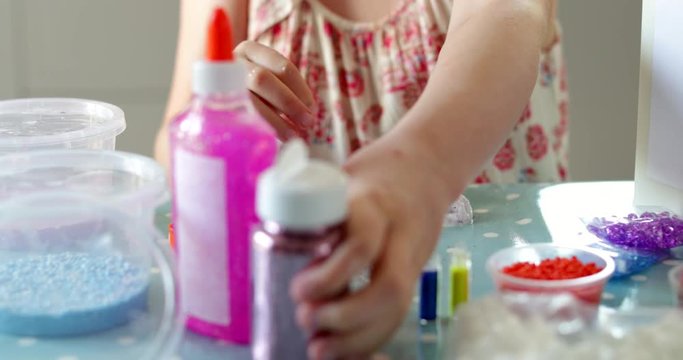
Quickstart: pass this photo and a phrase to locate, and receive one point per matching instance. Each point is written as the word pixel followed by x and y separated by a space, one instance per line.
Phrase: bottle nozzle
pixel 218 73
pixel 219 43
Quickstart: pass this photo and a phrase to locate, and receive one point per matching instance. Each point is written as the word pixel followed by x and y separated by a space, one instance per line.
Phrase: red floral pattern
pixel 547 72
pixel 410 95
pixel 561 128
pixel 562 171
pixel 482 179
pixel 373 115
pixel 335 38
pixel 351 83
pixel 529 175
pixel 362 42
pixel 436 39
pixel 505 158
pixel 536 142
pixel 387 41
pixel 526 115
pixel 297 45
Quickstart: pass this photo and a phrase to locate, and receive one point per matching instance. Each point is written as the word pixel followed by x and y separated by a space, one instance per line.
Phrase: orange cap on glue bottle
pixel 219 42
pixel 219 72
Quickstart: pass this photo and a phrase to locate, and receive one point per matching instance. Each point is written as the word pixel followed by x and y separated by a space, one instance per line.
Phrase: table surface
pixel 504 215
pixel 507 215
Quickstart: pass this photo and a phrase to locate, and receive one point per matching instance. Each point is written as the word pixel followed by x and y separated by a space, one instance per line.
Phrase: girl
pixel 415 97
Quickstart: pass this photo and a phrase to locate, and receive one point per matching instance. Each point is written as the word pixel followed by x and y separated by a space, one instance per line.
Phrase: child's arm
pixel 194 16
pixel 485 75
pixel 402 184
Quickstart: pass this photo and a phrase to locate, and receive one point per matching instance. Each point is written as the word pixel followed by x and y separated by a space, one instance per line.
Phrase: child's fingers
pixel 284 130
pixel 350 313
pixel 279 65
pixel 361 322
pixel 340 316
pixel 342 347
pixel 366 232
pixel 386 296
pixel 375 326
pixel 268 87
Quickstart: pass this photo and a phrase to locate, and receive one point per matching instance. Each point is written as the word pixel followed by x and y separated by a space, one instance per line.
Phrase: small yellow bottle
pixel 459 273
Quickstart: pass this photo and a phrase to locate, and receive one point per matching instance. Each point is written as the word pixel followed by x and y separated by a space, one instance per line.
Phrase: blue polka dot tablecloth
pixel 504 215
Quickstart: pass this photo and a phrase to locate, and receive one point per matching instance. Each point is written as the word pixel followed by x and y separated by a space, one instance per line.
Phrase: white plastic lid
pixel 301 193
pixel 223 77
pixel 434 262
pixel 41 122
pixel 130 181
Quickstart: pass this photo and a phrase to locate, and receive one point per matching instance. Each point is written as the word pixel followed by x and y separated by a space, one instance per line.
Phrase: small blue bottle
pixel 429 289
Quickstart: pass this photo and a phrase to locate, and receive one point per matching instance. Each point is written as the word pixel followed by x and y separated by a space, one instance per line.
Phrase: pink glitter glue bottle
pixel 219 146
pixel 302 206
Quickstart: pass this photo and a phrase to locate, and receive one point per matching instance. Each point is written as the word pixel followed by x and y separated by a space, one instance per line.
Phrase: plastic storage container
pixel 39 229
pixel 53 123
pixel 587 288
pixel 135 183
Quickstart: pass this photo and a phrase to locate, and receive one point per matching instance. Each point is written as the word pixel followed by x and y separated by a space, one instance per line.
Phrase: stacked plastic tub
pixel 51 124
pixel 83 272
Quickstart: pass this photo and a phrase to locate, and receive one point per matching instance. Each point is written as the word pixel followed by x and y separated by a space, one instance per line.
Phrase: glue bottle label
pixel 201 229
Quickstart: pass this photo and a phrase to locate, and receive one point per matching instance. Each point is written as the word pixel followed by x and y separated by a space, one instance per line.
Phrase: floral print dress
pixel 366 75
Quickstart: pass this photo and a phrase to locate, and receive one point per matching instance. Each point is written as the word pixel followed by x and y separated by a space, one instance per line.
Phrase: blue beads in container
pixel 65 294
pixel 81 275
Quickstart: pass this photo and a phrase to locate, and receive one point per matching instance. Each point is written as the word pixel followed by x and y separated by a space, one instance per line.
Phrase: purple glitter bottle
pixel 302 206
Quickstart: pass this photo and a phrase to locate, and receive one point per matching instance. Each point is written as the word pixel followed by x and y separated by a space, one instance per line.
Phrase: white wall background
pixel 119 52
pixel 122 52
pixel 602 48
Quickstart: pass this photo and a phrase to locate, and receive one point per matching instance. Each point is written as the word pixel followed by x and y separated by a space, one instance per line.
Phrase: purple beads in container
pixel 650 231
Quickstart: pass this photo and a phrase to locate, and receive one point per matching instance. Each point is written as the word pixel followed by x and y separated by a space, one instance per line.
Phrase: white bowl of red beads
pixel 552 268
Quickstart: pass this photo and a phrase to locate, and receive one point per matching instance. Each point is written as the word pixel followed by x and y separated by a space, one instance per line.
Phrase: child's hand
pixel 279 92
pixel 397 203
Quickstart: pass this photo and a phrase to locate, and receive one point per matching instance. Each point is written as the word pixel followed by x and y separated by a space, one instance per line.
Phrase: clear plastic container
pixel 133 182
pixel 587 288
pixel 676 282
pixel 54 123
pixel 622 322
pixel 38 229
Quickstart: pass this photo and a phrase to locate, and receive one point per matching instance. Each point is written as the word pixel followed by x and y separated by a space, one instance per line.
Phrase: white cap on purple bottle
pixel 301 193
